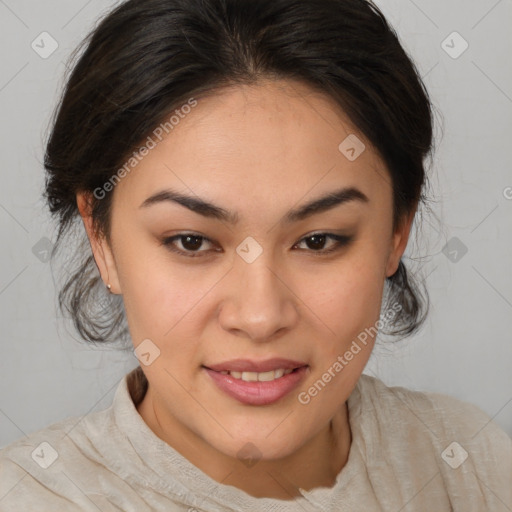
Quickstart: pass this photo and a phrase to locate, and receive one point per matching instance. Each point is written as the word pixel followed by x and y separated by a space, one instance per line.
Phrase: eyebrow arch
pixel 206 209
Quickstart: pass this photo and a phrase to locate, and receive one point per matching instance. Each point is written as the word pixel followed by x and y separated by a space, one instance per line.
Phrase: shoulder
pixel 35 470
pixel 437 413
pixel 435 434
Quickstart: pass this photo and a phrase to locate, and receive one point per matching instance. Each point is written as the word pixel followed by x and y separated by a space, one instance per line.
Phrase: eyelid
pixel 168 243
pixel 341 242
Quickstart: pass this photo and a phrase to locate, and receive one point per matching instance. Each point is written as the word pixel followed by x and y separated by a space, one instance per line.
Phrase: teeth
pixel 261 377
pixel 279 373
pixel 267 376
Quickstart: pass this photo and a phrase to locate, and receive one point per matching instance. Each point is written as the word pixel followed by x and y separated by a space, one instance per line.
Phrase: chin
pixel 259 446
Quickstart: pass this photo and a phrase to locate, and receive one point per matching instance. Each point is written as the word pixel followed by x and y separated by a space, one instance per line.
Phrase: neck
pixel 316 464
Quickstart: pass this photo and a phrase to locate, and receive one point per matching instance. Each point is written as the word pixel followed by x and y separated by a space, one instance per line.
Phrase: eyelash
pixel 341 242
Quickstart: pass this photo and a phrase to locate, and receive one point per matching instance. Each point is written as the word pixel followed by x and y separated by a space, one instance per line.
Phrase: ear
pixel 399 243
pixel 101 250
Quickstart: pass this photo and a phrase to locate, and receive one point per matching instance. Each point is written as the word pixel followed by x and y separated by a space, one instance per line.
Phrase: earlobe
pixel 399 244
pixel 101 250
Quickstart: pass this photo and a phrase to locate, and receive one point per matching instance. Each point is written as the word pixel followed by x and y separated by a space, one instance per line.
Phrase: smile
pixel 258 377
pixel 257 388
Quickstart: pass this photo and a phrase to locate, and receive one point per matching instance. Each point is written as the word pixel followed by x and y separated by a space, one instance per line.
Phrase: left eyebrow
pixel 326 202
pixel 207 209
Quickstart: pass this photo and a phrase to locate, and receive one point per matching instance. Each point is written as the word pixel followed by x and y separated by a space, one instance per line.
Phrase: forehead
pixel 276 140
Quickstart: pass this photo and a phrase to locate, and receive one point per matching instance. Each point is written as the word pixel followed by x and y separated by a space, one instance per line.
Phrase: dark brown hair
pixel 148 57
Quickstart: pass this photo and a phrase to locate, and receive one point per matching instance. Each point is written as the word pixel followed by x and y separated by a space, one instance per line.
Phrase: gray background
pixel 465 348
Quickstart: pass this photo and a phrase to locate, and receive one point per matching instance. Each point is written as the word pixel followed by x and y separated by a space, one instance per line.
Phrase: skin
pixel 260 151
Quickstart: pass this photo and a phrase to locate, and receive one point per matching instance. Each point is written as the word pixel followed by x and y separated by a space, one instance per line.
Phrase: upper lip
pixel 247 365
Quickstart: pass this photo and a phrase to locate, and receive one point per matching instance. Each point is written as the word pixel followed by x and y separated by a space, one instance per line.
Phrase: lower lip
pixel 258 393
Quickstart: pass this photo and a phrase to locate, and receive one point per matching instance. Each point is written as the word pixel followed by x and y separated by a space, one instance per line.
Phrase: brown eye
pixel 316 242
pixel 190 244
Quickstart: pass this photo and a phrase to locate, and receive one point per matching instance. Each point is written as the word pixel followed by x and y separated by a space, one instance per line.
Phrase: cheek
pixel 164 300
pixel 350 290
pixel 147 286
pixel 347 300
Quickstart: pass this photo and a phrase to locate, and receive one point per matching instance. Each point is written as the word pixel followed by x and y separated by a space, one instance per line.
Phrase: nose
pixel 259 303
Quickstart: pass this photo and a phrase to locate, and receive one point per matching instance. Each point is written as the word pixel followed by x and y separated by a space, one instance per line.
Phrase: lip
pixel 248 365
pixel 257 393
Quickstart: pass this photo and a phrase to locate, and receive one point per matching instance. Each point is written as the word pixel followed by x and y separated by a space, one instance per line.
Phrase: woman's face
pixel 252 282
